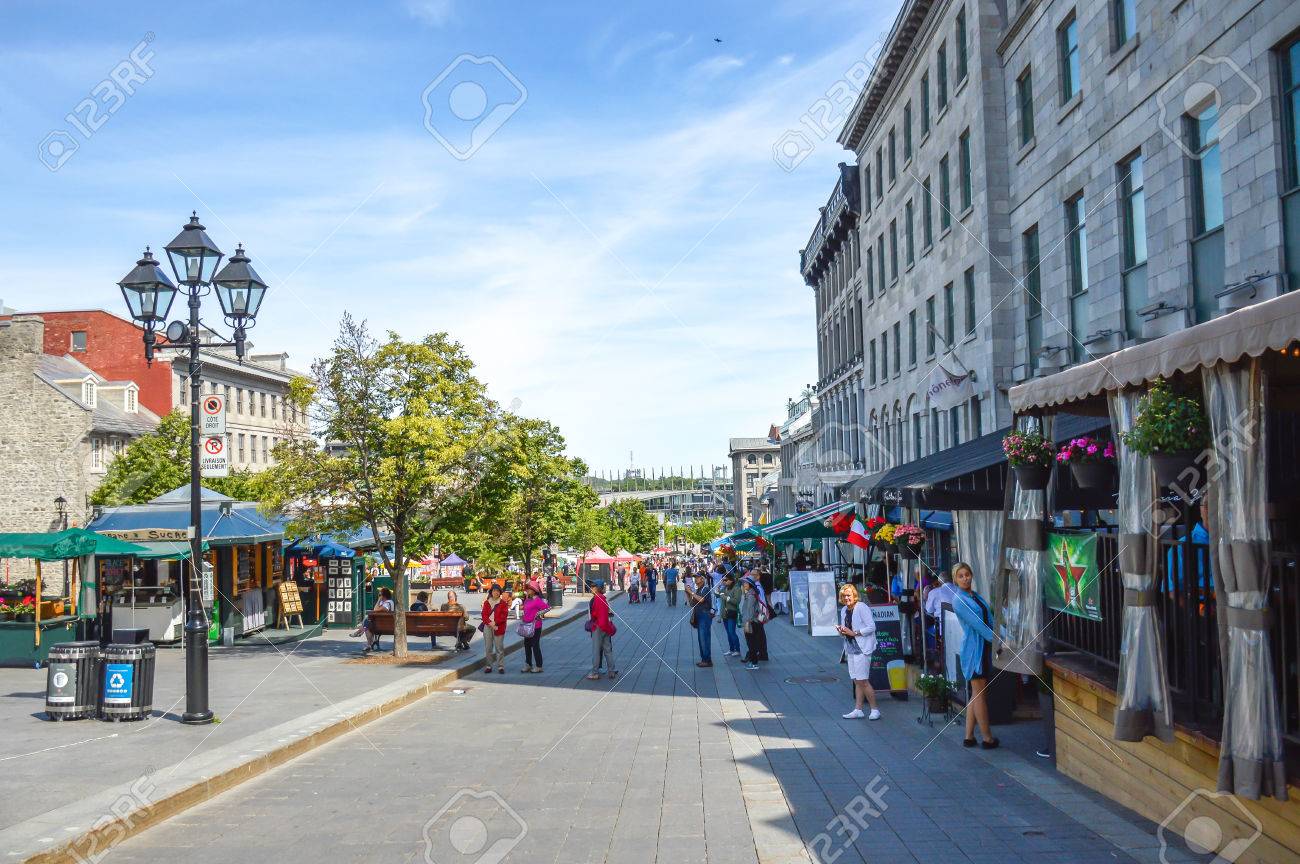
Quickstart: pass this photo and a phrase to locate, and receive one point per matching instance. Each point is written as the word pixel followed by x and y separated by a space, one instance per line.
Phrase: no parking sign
pixel 212 415
pixel 214 456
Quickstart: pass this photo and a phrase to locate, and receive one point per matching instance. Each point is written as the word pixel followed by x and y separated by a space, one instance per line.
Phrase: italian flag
pixel 858 534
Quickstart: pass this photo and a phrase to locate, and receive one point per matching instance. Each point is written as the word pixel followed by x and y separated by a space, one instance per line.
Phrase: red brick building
pixel 113 348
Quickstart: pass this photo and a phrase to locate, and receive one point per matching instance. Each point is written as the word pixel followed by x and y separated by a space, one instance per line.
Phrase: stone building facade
pixel 752 460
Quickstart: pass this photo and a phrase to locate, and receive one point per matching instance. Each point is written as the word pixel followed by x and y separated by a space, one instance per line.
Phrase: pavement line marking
pixel 57 747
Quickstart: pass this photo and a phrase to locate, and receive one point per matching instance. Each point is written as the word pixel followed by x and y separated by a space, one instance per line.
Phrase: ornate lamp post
pixel 149 294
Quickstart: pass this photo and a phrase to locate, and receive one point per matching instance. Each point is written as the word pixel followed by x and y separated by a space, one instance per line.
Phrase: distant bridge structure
pixel 677 495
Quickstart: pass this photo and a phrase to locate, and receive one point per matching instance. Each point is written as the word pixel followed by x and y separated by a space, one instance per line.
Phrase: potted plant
pixel 937 690
pixel 1030 455
pixel 1171 429
pixel 1091 460
pixel 6 614
pixel 25 609
pixel 909 539
pixel 884 536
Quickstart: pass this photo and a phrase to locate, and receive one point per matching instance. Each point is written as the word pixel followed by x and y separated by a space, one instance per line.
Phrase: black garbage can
pixel 72 681
pixel 130 635
pixel 127 676
pixel 555 594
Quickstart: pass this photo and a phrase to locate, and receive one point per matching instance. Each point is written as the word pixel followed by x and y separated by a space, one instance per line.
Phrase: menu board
pixel 338 591
pixel 888 671
pixel 290 599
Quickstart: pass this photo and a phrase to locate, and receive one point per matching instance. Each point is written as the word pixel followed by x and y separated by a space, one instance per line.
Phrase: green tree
pixel 629 525
pixel 159 462
pixel 414 435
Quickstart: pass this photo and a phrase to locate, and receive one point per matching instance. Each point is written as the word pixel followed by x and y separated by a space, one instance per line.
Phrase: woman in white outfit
pixel 858 628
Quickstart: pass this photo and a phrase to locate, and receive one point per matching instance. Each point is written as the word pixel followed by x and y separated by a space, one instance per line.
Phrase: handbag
pixel 590 626
pixel 763 615
pixel 527 629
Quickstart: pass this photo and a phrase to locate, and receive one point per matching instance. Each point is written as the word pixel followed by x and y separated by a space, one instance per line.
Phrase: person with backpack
pixel 602 632
pixel 753 616
pixel 858 627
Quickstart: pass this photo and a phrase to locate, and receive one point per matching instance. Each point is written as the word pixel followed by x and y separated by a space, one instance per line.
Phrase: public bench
pixel 417 623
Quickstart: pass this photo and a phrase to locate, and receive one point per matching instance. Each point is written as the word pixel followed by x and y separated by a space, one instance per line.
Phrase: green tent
pixel 63 545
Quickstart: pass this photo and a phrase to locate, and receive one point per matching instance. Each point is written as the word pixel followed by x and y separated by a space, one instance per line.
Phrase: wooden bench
pixel 418 623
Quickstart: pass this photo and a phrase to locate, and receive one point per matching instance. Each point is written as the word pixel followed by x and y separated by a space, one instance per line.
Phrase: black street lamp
pixel 149 294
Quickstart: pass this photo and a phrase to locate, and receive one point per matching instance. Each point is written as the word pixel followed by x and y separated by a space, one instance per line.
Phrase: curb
pixel 120 821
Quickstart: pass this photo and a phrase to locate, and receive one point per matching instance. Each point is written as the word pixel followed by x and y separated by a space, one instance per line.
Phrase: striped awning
pixel 808 524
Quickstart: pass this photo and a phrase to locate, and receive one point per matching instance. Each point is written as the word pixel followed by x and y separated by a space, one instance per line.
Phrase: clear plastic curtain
pixel 1020 600
pixel 979 535
pixel 1143 689
pixel 1250 756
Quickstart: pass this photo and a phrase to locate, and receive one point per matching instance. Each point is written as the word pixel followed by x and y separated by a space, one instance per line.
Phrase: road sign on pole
pixel 212 417
pixel 214 457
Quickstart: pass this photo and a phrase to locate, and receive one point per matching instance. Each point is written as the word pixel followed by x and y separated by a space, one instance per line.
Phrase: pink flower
pixel 1092 449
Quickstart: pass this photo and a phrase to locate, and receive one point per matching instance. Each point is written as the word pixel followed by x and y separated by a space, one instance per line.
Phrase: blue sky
pixel 619 255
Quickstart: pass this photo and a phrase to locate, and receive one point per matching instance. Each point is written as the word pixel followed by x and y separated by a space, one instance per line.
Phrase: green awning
pixel 62 545
pixel 807 526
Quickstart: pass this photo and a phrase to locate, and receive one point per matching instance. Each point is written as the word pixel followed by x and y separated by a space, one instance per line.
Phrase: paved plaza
pixel 668 763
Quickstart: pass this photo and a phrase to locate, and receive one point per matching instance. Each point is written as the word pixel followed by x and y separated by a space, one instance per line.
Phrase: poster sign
pixel 822 605
pixel 117 683
pixel 62 689
pixel 799 598
pixel 888 671
pixel 1070 582
pixel 214 456
pixel 212 415
pixel 205 584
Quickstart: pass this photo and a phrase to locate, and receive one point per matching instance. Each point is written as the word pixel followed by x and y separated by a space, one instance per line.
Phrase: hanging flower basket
pixel 1091 461
pixel 1032 477
pixel 1171 467
pixel 910 540
pixel 1172 430
pixel 1030 455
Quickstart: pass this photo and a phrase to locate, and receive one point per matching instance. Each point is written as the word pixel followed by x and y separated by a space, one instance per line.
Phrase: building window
pixel 941 76
pixel 88 393
pixel 751 459
pixel 1025 100
pixel 969 285
pixel 1133 224
pixel 96 454
pixel 880 173
pixel 115 446
pixel 265 451
pixel 959 39
pixel 907 131
pixel 252 449
pixel 963 164
pixel 910 235
pixel 239 400
pixel 241 448
pixel 78 340
pixel 866 186
pixel 872 349
pixel 917 451
pixel 945 195
pixel 884 356
pixel 893 156
pixel 1077 246
pixel 275 406
pixel 911 338
pixel 927 215
pixel 949 318
pixel 976 421
pixel 1290 78
pixel 132 400
pixel 880 262
pixel 930 327
pixel 1068 46
pixel 893 250
pixel 871 275
pixel 954 426
pixel 898 348
pixel 925 104
pixel 1033 298
pixel 1125 21
pixel 935 445
pixel 1207 201
pixel 767 458
pixel 261 398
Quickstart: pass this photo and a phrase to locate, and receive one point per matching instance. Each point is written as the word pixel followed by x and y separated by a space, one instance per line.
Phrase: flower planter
pixel 1032 476
pixel 1169 466
pixel 910 552
pixel 1093 475
pixel 26 617
pixel 6 616
pixel 937 704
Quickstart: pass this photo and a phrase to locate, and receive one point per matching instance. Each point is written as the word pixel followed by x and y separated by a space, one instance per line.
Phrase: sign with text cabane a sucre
pixel 214 456
pixel 212 415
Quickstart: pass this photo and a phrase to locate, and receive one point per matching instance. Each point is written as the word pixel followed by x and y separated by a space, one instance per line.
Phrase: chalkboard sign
pixel 888 671
pixel 290 599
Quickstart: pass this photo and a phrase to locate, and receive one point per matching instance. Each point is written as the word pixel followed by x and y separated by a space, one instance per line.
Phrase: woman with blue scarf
pixel 976 652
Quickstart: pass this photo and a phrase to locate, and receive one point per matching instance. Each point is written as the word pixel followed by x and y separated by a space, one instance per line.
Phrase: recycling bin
pixel 72 681
pixel 130 635
pixel 127 676
pixel 554 594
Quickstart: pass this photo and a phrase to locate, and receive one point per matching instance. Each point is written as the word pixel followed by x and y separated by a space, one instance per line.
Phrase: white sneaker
pixel 874 715
pixel 855 714
pixel 752 667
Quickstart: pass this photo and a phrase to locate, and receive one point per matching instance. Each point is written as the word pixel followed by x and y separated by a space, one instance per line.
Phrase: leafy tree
pixel 414 433
pixel 697 532
pixel 629 525
pixel 159 462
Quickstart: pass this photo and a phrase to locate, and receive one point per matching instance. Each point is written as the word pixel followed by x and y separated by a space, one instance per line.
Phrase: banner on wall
pixel 1070 582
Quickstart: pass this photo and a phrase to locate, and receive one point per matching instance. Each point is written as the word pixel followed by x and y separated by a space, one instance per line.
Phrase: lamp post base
pixel 197 712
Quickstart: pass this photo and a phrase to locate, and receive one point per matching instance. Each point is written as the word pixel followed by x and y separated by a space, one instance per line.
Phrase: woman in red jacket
pixel 495 610
pixel 602 633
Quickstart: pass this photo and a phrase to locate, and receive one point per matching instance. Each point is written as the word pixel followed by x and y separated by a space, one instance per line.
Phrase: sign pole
pixel 196 625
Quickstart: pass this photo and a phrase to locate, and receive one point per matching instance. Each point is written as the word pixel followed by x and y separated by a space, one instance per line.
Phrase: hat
pixel 535 585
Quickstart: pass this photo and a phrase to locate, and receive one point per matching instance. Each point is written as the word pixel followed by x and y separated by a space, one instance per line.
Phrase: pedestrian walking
pixel 530 626
pixel 753 618
pixel 465 631
pixel 670 582
pixel 495 612
pixel 976 652
pixel 701 599
pixel 858 627
pixel 651 580
pixel 732 593
pixel 602 632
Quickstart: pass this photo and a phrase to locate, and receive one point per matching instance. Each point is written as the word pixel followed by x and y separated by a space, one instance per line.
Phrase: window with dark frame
pixel 884 356
pixel 927 215
pixel 964 164
pixel 1202 132
pixel 949 318
pixel 925 103
pixel 880 262
pixel 893 155
pixel 968 284
pixel 898 348
pixel 930 325
pixel 963 60
pixel 78 340
pixel 941 76
pixel 911 338
pixel 1025 101
pixel 910 234
pixel 907 131
pixel 1077 257
pixel 880 173
pixel 1289 67
pixel 945 195
pixel 1125 12
pixel 893 250
pixel 1133 225
pixel 1068 49
pixel 872 350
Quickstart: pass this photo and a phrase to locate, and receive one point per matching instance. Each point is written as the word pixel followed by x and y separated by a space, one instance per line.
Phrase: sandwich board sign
pixel 212 415
pixel 214 456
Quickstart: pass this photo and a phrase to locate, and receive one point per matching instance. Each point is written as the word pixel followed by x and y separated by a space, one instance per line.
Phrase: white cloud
pixel 433 12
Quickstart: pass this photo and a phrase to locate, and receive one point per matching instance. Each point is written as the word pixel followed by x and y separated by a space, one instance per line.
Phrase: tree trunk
pixel 399 602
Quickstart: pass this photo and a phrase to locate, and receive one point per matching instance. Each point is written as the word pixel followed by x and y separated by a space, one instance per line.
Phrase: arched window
pixel 751 459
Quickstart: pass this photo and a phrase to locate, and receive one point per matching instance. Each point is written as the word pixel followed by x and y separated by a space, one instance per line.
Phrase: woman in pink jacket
pixel 531 619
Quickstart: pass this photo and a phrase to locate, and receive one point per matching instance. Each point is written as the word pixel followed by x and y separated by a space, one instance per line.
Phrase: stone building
pixel 61 424
pixel 752 459
pixel 799 479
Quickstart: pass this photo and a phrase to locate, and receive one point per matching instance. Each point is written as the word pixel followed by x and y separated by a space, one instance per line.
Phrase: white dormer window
pixel 88 393
pixel 132 400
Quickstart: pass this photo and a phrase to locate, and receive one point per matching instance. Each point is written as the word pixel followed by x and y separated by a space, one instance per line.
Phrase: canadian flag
pixel 858 534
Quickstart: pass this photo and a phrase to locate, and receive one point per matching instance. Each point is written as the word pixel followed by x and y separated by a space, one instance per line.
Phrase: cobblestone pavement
pixel 667 763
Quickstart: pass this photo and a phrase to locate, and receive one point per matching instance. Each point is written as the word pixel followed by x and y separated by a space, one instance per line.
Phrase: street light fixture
pixel 149 294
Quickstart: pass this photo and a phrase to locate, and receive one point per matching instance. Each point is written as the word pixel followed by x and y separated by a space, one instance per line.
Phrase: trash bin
pixel 555 594
pixel 127 673
pixel 130 635
pixel 72 681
